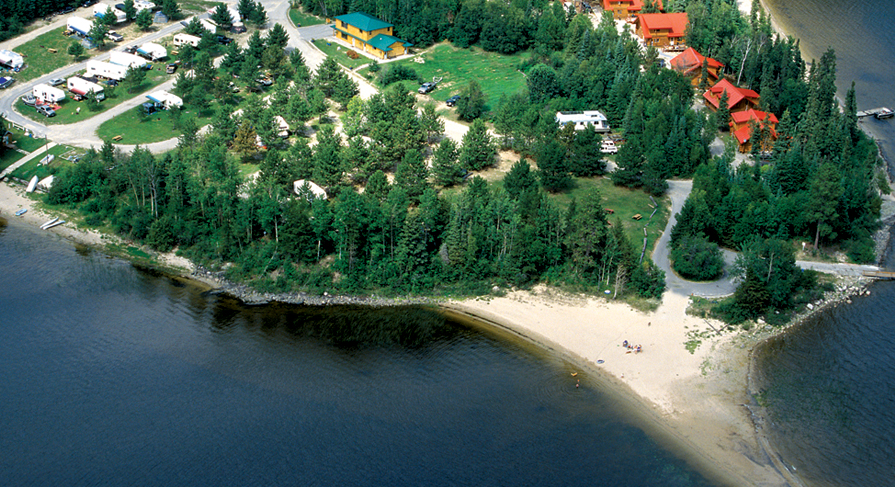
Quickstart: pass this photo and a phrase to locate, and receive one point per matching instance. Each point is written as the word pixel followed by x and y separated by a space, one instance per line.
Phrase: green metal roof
pixel 363 21
pixel 383 42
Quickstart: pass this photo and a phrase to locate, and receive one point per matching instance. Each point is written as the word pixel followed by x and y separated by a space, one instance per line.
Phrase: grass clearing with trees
pixel 301 19
pixel 497 74
pixel 68 113
pixel 39 60
pixel 135 128
pixel 34 168
pixel 624 203
pixel 338 52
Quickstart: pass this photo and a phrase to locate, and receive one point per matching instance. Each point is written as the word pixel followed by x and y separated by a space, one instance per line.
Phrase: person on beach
pixel 625 344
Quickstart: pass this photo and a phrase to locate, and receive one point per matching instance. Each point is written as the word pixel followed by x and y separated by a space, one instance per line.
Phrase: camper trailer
pixel 142 5
pixel 127 60
pixel 152 51
pixel 208 25
pixel 163 99
pixel 80 87
pixel 79 26
pixel 582 119
pixel 181 39
pixel 106 70
pixel 11 60
pixel 47 93
pixel 100 9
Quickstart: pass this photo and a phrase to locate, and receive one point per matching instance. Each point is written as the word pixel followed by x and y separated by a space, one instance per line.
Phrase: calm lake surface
pixel 829 383
pixel 117 376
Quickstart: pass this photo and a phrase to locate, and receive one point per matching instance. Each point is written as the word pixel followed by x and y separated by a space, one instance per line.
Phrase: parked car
pixel 238 29
pixel 111 82
pixel 264 81
pixel 114 36
pixel 68 10
pixel 150 108
pixel 5 82
pixel 46 111
pixel 426 88
pixel 171 68
pixel 223 40
pixel 56 81
pixel 29 99
pixel 452 100
pixel 88 3
pixel 130 50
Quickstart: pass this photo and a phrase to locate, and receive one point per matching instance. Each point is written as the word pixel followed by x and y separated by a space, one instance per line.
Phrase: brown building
pixel 662 30
pixel 689 63
pixel 741 124
pixel 622 9
pixel 738 99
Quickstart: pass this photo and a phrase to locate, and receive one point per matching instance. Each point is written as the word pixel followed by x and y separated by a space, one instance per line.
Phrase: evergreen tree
pixel 171 9
pixel 258 16
pixel 76 49
pixel 378 186
pixel 472 102
pixel 245 8
pixel 129 10
pixel 245 141
pixel 552 169
pixel 328 164
pixel 444 164
pixel 722 115
pixel 144 19
pixel 824 191
pixel 221 16
pixel 277 37
pixel 478 150
pixel 98 32
pixel 412 174
pixel 585 154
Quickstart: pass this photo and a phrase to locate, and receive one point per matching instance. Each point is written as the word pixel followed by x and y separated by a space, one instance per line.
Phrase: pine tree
pixel 722 115
pixel 472 102
pixel 824 193
pixel 478 150
pixel 277 37
pixel 144 19
pixel 245 141
pixel 552 168
pixel 221 16
pixel 412 174
pixel 444 163
pixel 328 164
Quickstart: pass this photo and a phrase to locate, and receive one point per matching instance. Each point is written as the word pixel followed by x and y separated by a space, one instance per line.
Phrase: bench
pixel 117 138
pixel 609 210
pixel 637 216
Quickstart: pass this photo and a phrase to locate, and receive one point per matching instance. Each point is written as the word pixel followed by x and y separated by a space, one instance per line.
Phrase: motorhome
pixel 106 70
pixel 79 26
pixel 582 120
pixel 163 99
pixel 152 51
pixel 100 9
pixel 127 59
pixel 81 87
pixel 47 93
pixel 11 60
pixel 181 39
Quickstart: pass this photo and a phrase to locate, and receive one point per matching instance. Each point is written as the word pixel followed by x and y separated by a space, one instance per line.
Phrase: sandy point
pixel 693 402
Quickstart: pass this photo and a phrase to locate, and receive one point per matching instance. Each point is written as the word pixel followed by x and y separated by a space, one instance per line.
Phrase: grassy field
pixel 625 203
pixel 338 51
pixel 497 74
pixel 9 158
pixel 38 58
pixel 301 19
pixel 32 168
pixel 68 113
pixel 27 144
pixel 135 129
pixel 196 6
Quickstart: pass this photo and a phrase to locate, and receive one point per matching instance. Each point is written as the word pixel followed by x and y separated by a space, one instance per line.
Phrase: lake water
pixel 117 376
pixel 829 383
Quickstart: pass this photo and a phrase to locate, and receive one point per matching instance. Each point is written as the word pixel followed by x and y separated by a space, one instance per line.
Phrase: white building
pixel 583 119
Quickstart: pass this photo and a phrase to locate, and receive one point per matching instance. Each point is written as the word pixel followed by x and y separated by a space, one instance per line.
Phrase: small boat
pixel 48 223
pixel 22 212
pixel 31 185
pixel 60 222
pixel 884 113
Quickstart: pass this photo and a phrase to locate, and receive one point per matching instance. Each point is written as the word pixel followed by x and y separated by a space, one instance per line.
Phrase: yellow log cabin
pixel 369 34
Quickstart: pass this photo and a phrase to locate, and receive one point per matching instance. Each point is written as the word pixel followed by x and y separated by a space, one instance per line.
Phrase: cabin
pixel 581 120
pixel 623 9
pixel 689 63
pixel 661 30
pixel 367 33
pixel 738 99
pixel 741 124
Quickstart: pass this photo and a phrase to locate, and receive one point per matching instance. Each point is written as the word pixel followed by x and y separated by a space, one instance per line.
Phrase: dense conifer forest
pixel 406 210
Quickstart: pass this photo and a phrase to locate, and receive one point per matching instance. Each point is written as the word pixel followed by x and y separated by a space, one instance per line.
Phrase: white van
pixel 608 147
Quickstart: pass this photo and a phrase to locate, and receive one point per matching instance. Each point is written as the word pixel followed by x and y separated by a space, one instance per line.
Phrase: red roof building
pixel 741 124
pixel 622 9
pixel 738 99
pixel 661 30
pixel 689 63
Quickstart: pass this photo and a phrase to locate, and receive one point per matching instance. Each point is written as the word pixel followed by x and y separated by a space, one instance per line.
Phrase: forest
pixel 406 211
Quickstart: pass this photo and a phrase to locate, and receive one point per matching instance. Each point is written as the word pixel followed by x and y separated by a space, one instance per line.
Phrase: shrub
pixel 398 73
pixel 698 259
pixel 352 54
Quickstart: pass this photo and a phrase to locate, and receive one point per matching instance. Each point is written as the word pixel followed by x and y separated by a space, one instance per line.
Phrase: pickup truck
pixel 426 88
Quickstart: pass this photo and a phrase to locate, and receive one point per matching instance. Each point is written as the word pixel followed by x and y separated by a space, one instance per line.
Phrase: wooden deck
pixel 880 274
pixel 879 113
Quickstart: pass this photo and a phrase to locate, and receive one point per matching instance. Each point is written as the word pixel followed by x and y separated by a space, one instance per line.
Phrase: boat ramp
pixel 878 113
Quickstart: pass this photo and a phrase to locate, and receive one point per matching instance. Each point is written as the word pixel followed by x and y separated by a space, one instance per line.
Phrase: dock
pixel 880 274
pixel 879 113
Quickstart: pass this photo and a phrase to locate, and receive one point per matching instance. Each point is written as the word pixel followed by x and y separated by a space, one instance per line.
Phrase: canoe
pixel 48 223
pixel 60 222
pixel 22 212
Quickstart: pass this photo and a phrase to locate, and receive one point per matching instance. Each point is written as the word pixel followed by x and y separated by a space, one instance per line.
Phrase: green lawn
pixel 497 74
pixel 197 6
pixel 135 129
pixel 68 113
pixel 338 51
pixel 301 19
pixel 27 144
pixel 625 203
pixel 31 168
pixel 38 58
pixel 9 158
